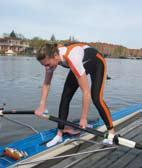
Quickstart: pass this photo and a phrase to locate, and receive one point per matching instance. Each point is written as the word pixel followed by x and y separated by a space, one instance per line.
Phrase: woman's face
pixel 49 62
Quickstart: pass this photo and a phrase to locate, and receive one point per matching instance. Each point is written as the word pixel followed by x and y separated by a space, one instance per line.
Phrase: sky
pixel 111 21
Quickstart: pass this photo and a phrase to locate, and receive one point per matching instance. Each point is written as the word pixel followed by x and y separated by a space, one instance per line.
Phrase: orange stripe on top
pixel 69 48
pixel 73 68
pixel 102 90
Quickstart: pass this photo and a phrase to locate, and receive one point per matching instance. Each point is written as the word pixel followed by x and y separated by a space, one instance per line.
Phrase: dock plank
pixel 122 157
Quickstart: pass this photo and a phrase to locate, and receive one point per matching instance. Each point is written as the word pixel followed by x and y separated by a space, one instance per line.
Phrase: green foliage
pixel 37 42
pixel 109 50
pixel 12 34
pixel 1 52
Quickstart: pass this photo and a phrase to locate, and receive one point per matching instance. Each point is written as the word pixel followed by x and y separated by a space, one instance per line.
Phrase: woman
pixel 82 60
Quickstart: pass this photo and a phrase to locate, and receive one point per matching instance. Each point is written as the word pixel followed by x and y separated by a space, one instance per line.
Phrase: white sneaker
pixel 57 139
pixel 107 141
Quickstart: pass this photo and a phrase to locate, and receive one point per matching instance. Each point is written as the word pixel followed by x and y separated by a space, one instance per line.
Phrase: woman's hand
pixel 40 110
pixel 83 123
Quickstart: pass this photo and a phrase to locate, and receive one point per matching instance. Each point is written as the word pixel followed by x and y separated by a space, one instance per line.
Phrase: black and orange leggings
pixel 95 66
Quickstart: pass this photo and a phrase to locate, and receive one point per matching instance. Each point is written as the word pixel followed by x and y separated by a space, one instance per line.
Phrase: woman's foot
pixel 57 139
pixel 71 131
pixel 109 139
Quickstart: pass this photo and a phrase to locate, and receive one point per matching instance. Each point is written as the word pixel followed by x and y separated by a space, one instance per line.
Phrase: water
pixel 20 88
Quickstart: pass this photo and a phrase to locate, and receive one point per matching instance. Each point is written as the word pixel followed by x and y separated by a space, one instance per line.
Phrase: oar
pixel 2 112
pixel 116 138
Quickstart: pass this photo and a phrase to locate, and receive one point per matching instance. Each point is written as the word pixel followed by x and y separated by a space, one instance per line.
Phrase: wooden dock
pixel 121 157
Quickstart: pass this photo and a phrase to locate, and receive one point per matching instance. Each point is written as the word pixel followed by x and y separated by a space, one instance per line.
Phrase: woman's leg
pixel 98 78
pixel 70 87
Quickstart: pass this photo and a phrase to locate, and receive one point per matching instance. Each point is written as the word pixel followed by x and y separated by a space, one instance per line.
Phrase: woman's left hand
pixel 83 123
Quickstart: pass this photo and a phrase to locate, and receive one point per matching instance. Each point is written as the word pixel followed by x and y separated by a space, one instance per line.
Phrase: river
pixel 20 88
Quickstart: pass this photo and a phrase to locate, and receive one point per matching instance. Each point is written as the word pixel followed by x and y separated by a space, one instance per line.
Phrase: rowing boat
pixel 36 150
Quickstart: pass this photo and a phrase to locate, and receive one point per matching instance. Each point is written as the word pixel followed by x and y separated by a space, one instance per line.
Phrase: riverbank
pixel 33 55
pixel 9 45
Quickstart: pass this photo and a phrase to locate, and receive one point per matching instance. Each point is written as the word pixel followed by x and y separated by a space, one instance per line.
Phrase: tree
pixel 53 38
pixel 12 34
pixel 37 42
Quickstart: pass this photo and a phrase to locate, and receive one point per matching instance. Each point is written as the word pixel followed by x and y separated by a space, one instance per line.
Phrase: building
pixel 12 44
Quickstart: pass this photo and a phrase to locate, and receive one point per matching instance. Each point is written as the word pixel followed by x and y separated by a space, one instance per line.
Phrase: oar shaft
pixel 68 123
pixel 18 112
pixel 120 140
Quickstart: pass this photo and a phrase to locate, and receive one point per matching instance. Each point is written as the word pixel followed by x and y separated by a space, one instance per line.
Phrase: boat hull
pixel 33 144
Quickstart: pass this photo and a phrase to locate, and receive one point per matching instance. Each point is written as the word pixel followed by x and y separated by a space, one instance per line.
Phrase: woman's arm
pixel 84 85
pixel 45 87
pixel 44 92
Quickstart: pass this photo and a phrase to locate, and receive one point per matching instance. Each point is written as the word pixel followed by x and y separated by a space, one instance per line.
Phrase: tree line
pixel 109 50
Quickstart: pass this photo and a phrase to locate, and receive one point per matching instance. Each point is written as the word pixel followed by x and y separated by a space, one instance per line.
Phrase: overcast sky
pixel 111 21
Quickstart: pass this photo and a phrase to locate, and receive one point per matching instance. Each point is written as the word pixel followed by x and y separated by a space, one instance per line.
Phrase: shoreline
pixel 113 57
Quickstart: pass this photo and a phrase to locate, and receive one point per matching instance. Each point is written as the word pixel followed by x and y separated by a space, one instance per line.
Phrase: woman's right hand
pixel 40 110
pixel 83 122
